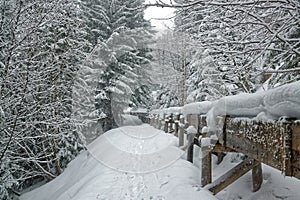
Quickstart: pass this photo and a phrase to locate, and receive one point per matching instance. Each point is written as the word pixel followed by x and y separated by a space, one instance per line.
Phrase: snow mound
pixel 284 100
pixel 129 120
pixel 139 153
pixel 197 107
pixel 100 172
pixel 272 104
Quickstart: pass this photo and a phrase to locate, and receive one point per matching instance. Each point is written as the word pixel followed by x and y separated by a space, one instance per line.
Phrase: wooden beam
pixel 206 169
pixel 190 150
pixel 176 121
pixel 232 175
pixel 266 142
pixel 181 132
pixel 257 177
pixel 219 148
pixel 166 125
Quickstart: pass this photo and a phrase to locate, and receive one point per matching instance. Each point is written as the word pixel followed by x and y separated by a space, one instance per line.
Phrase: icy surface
pixel 116 167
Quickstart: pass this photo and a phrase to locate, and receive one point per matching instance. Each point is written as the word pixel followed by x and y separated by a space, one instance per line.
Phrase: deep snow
pixel 132 162
pixel 93 176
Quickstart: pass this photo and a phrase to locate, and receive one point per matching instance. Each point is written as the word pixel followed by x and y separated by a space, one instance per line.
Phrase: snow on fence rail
pixel 248 123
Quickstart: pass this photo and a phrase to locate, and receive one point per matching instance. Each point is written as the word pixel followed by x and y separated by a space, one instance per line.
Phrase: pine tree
pixel 127 46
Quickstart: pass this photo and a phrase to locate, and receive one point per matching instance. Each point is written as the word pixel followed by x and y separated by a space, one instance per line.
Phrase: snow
pixel 170 110
pixel 275 186
pixel 130 120
pixel 271 104
pixel 131 162
pixel 197 107
pixel 191 130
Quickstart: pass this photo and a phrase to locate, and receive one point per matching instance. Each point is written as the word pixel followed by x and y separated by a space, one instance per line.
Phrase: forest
pixel 70 69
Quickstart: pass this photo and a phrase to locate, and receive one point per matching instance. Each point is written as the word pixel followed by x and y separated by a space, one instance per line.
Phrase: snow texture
pixel 116 167
pixel 272 104
pixel 167 111
pixel 197 107
pixel 191 130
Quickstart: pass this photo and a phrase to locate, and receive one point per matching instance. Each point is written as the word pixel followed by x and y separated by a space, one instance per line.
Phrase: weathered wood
pixel 206 169
pixel 221 126
pixel 181 131
pixel 155 121
pixel 257 177
pixel 171 122
pixel 158 122
pixel 220 157
pixel 232 175
pixel 295 154
pixel 190 150
pixel 166 121
pixel 219 148
pixel 176 124
pixel 193 120
pixel 296 137
pixel 264 142
pixel 202 124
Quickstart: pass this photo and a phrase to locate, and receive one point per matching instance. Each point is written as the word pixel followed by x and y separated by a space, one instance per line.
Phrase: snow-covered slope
pixel 133 162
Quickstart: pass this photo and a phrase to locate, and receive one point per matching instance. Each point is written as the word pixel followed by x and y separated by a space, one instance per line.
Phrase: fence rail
pixel 276 144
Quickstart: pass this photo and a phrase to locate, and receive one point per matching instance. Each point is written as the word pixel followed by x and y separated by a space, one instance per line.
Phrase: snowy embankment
pixel 132 162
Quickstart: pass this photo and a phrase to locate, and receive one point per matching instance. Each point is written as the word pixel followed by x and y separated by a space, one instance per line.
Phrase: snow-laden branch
pixel 282 71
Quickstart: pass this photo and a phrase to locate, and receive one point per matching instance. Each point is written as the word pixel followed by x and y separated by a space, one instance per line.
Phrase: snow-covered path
pixel 131 162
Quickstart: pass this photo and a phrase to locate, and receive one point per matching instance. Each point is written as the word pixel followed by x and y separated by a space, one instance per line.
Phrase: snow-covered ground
pixel 141 162
pixel 275 185
pixel 131 162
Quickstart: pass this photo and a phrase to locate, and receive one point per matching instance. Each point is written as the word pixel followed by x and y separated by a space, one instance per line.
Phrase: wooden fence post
pixel 162 121
pixel 170 123
pixel 206 169
pixel 190 150
pixel 257 177
pixel 157 121
pixel 181 130
pixel 176 126
pixel 166 125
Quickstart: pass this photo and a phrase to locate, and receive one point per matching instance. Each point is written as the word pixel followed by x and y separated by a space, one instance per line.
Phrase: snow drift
pixel 104 172
pixel 272 104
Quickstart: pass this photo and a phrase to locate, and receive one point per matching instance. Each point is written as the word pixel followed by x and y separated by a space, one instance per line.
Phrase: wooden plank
pixel 193 120
pixel 264 142
pixel 202 123
pixel 166 126
pixel 296 137
pixel 295 164
pixel 206 169
pixel 295 154
pixel 181 132
pixel 171 122
pixel 232 175
pixel 190 150
pixel 220 130
pixel 257 177
pixel 176 124
pixel 219 148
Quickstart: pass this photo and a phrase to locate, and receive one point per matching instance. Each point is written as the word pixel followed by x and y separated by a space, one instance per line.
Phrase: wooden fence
pixel 276 144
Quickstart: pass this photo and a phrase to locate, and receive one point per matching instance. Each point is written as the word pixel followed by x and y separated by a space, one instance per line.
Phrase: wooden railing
pixel 276 144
